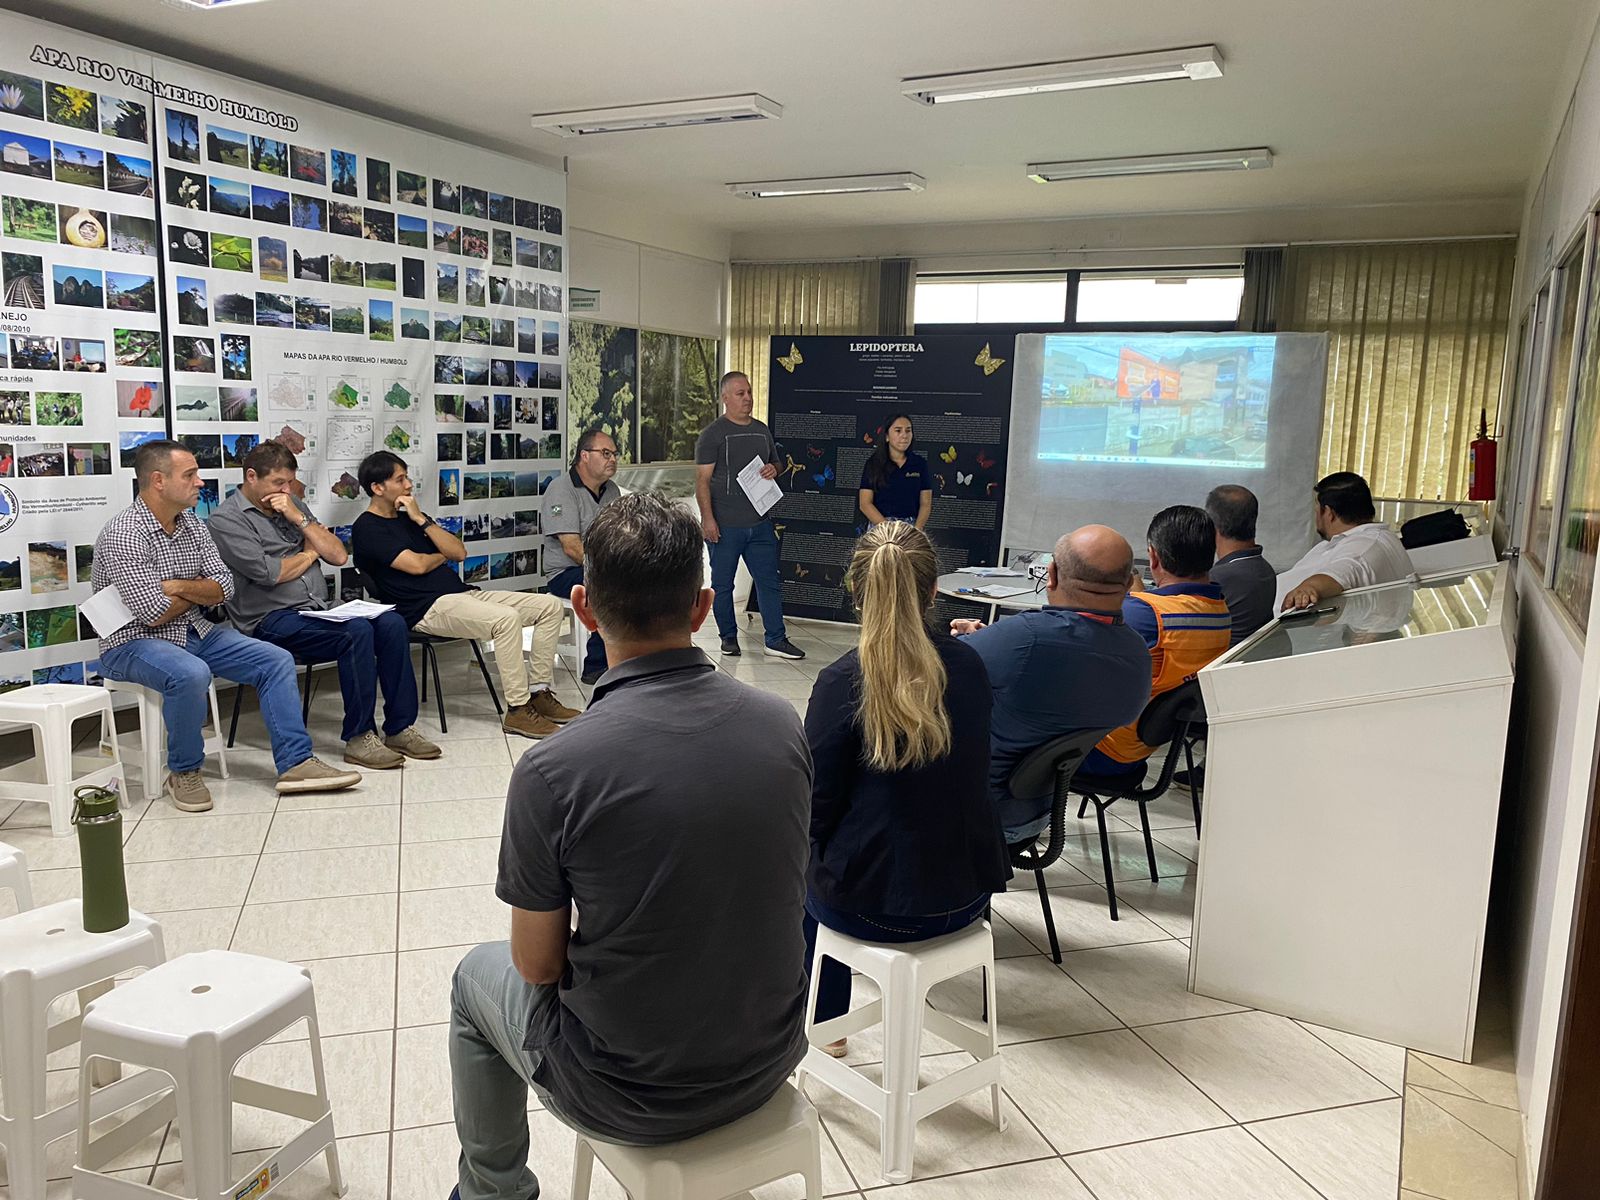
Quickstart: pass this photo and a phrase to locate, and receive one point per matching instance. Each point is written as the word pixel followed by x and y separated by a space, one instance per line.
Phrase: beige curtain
pixel 795 298
pixel 1416 337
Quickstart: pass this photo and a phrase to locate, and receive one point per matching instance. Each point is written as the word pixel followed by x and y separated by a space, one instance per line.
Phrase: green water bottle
pixel 96 813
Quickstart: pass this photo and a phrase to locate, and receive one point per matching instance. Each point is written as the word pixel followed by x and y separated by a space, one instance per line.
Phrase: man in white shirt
pixel 1356 549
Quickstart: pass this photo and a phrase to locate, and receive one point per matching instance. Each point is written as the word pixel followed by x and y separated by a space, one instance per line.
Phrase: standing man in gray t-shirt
pixel 733 528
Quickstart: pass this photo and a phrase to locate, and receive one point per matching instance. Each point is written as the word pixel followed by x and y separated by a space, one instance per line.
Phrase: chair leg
pixel 1149 846
pixel 424 697
pixel 1049 918
pixel 432 660
pixel 238 701
pixel 1083 808
pixel 1105 857
pixel 305 702
pixel 487 682
pixel 1194 784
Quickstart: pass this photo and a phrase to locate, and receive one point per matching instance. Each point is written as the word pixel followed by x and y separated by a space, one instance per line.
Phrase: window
pixel 1000 300
pixel 1558 395
pixel 1167 296
pixel 1578 533
pixel 1511 416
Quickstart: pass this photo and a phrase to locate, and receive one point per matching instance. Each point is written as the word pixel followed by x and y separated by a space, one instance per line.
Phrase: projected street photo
pixel 1157 399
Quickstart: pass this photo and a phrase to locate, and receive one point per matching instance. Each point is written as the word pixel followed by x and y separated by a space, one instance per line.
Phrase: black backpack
pixel 1446 525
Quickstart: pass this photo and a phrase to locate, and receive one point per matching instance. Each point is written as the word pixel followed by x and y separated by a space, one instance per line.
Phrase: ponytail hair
pixel 879 464
pixel 900 706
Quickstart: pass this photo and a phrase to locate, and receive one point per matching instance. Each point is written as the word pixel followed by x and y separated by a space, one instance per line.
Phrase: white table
pixel 963 585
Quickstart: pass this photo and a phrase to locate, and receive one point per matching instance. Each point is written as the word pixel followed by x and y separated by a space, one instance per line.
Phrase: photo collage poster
pixel 830 400
pixel 81 378
pixel 347 285
pixel 336 281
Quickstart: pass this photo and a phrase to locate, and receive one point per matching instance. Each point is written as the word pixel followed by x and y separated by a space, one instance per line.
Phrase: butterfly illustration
pixel 778 529
pixel 964 480
pixel 939 479
pixel 987 361
pixel 792 359
pixel 800 572
pixel 984 460
pixel 814 451
pixel 790 468
pixel 992 491
pixel 949 455
pixel 824 478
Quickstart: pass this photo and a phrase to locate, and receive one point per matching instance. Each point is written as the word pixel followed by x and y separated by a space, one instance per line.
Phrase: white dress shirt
pixel 1359 557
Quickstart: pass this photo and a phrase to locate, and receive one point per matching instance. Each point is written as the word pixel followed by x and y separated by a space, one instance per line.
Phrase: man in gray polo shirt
pixel 275 548
pixel 570 504
pixel 675 1006
pixel 1247 580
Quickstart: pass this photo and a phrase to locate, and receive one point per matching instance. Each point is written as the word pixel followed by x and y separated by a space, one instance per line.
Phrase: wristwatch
pixel 427 521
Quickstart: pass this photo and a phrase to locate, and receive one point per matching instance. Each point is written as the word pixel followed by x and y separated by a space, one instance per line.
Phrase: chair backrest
pixel 1048 769
pixel 1169 712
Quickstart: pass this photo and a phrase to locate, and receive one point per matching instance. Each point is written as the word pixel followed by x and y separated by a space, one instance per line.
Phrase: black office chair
pixel 1166 721
pixel 1048 770
pixel 305 703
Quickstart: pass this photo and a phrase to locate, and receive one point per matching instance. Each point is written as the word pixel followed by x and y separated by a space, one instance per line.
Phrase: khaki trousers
pixel 501 617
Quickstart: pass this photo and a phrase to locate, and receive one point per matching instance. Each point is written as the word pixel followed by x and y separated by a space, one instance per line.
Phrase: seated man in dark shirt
pixel 1072 665
pixel 675 1004
pixel 1246 578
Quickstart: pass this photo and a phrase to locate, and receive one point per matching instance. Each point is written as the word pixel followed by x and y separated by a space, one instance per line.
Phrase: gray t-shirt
pixel 254 545
pixel 569 507
pixel 1248 582
pixel 727 446
pixel 680 1008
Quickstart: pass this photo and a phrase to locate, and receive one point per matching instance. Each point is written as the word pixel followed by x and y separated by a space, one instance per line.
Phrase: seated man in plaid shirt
pixel 162 561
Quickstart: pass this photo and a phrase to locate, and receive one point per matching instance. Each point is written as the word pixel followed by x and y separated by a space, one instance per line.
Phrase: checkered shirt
pixel 134 553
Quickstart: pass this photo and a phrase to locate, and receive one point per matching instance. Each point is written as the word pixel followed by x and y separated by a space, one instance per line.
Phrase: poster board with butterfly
pixel 830 404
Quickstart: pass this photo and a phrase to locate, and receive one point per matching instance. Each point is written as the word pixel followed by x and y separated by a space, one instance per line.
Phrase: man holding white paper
pixel 736 463
pixel 275 548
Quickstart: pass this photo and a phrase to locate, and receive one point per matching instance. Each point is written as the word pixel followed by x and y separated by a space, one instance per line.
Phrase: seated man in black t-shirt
pixel 406 556
pixel 676 1005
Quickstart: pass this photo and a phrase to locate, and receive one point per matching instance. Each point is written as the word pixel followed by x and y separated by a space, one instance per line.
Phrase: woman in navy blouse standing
pixel 895 483
pixel 905 839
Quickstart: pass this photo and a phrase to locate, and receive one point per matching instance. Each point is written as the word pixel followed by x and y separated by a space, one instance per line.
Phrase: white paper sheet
pixel 992 572
pixel 350 610
pixel 763 493
pixel 999 591
pixel 106 611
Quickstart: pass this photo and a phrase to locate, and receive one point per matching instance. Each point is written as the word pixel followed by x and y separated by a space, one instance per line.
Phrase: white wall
pixel 646 287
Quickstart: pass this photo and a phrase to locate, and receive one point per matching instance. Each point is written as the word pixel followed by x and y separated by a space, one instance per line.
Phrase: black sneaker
pixel 784 649
pixel 730 647
pixel 1182 780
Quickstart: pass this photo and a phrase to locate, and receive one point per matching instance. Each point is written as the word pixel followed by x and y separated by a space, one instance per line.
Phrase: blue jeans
pixel 183 677
pixel 758 546
pixel 561 584
pixel 371 655
pixel 833 988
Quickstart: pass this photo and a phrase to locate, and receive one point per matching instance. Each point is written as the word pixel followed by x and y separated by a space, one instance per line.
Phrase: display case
pixel 1353 773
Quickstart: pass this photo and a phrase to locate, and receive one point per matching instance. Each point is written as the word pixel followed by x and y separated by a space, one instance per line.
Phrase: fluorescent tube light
pixel 1258 159
pixel 712 110
pixel 833 185
pixel 208 4
pixel 1194 62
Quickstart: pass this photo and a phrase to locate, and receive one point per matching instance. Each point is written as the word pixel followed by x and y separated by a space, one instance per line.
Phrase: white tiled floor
pixel 1121 1084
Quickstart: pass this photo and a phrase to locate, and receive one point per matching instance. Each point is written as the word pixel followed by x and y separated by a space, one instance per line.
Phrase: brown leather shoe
pixel 547 706
pixel 526 721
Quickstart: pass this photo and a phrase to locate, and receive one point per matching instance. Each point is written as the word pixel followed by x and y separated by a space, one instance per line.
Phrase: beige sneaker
pixel 365 750
pixel 526 720
pixel 314 775
pixel 547 706
pixel 189 791
pixel 412 744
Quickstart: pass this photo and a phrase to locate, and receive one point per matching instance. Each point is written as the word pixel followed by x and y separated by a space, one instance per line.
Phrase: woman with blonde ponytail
pixel 905 839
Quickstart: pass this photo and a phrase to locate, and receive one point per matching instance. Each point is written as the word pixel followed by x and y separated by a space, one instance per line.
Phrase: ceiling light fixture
pixel 1193 62
pixel 832 185
pixel 1258 159
pixel 208 4
pixel 712 110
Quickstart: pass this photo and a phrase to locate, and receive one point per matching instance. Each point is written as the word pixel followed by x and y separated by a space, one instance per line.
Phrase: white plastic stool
pixel 904 973
pixel 193 1019
pixel 45 954
pixel 51 709
pixel 14 875
pixel 781 1138
pixel 153 734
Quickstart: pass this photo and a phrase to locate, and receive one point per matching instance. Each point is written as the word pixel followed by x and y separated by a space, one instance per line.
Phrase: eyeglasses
pixel 606 454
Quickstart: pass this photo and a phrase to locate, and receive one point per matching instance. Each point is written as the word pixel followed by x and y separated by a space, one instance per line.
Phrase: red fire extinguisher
pixel 1481 454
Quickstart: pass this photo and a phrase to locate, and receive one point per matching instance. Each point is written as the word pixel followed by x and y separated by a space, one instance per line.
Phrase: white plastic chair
pixel 152 734
pixel 51 708
pixel 45 954
pixel 781 1138
pixel 14 875
pixel 193 1019
pixel 905 972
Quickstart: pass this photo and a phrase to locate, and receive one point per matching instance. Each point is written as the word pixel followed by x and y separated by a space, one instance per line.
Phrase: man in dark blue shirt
pixel 1072 665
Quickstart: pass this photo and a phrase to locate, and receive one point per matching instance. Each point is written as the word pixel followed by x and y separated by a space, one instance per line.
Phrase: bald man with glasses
pixel 570 504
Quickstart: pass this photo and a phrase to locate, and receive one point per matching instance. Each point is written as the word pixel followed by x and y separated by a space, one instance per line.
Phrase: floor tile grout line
pixel 1288 1166
pixel 1472 1094
pixel 1476 1133
pixel 1433 1091
pixel 1069 1155
pixel 1353 1062
pixel 1082 1182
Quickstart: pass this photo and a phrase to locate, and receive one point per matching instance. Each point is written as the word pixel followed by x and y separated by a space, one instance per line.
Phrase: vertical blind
pixel 1416 338
pixel 812 298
